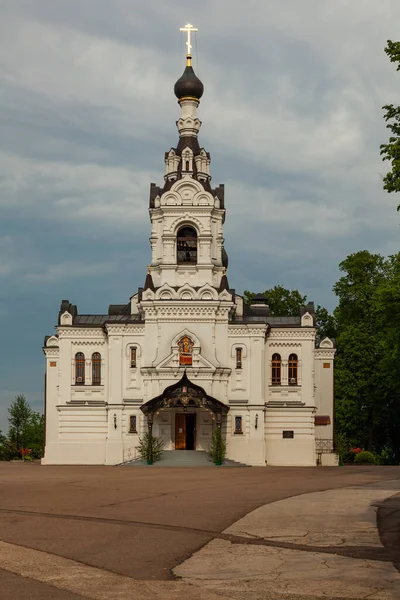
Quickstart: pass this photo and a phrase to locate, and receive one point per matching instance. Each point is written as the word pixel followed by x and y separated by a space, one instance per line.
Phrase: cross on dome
pixel 189 29
pixel 188 86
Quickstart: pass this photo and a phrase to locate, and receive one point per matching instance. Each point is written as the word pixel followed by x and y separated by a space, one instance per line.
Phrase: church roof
pixel 182 394
pixel 100 320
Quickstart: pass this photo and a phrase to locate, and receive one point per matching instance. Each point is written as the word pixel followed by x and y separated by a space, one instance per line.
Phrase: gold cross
pixel 189 28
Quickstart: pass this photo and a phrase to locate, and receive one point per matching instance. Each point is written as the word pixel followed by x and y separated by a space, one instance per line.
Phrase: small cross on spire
pixel 189 29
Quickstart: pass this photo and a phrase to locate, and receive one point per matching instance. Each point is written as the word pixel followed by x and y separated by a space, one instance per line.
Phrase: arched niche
pixel 186 245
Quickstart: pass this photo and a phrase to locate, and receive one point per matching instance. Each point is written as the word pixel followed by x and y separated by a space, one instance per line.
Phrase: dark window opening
pixel 96 368
pixel 238 358
pixel 287 435
pixel 133 358
pixel 132 424
pixel 187 245
pixel 276 369
pixel 238 425
pixel 79 368
pixel 187 165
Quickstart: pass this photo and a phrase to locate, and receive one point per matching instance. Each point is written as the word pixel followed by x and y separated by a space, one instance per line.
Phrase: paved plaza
pixel 198 533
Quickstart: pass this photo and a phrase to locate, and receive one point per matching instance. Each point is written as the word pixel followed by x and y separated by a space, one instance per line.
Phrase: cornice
pixel 94 342
pixel 187 311
pixel 292 334
pixel 284 344
pixel 325 353
pixel 126 329
pixel 52 352
pixel 247 331
pixel 84 332
pixel 220 374
pixel 81 405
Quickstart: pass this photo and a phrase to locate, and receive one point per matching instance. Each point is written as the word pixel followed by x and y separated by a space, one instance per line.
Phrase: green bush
pixel 342 447
pixel 150 448
pixel 364 458
pixel 217 449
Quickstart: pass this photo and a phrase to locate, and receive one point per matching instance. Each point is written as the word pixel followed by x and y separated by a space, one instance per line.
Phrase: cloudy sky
pixel 291 115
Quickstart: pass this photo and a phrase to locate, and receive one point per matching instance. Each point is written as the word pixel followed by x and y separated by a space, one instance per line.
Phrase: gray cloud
pixel 291 115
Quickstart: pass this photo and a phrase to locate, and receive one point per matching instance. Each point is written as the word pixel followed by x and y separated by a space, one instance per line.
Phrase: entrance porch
pixel 184 416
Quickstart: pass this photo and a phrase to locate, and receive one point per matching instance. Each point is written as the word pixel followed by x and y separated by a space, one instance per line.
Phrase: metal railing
pixel 324 446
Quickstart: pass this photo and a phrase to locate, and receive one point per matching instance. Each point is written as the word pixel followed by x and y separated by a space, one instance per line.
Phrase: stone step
pixel 182 458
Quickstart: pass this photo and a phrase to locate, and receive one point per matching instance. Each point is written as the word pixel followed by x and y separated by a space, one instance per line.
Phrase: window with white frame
pixel 96 368
pixel 132 424
pixel 238 423
pixel 79 368
pixel 293 365
pixel 276 369
pixel 133 357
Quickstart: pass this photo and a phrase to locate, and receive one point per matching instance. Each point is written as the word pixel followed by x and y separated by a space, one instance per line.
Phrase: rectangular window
pixel 327 366
pixel 132 424
pixel 238 358
pixel 133 358
pixel 287 435
pixel 238 425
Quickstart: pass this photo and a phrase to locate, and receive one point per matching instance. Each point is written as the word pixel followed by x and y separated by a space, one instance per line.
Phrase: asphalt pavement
pixel 141 523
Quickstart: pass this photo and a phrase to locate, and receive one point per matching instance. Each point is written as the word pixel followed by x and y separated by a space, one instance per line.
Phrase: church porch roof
pixel 184 394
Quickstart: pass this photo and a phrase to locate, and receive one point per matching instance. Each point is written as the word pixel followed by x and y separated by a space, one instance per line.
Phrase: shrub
pixel 342 446
pixel 150 448
pixel 364 458
pixel 217 448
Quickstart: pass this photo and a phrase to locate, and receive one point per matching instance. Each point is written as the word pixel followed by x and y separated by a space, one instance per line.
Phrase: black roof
pixel 100 320
pixel 119 309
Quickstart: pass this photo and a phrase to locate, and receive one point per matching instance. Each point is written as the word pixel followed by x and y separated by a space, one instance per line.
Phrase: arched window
pixel 79 368
pixel 187 245
pixel 96 368
pixel 276 369
pixel 187 165
pixel 293 368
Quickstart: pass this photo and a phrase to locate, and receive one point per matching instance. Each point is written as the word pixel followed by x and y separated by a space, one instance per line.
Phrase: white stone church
pixel 185 354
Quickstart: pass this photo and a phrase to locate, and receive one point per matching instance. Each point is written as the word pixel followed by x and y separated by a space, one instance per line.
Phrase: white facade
pixel 103 369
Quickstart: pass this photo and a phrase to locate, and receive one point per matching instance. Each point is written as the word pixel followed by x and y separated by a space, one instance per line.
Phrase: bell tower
pixel 186 213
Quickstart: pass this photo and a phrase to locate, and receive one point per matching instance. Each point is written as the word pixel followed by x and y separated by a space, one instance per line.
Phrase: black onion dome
pixel 188 85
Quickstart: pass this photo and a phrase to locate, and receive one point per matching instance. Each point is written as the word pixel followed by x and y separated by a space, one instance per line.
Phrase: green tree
pixel 281 301
pixel 286 303
pixel 35 435
pixel 388 322
pixel 2 446
pixel 20 415
pixel 391 150
pixel 363 387
pixel 326 323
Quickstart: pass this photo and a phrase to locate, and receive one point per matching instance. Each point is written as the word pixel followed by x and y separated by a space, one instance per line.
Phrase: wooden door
pixel 180 431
